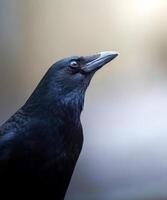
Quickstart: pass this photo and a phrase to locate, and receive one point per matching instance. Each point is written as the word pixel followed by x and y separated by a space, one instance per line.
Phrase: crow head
pixel 74 73
pixel 66 80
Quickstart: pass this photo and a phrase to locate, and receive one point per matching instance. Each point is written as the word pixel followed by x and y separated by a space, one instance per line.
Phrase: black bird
pixel 41 142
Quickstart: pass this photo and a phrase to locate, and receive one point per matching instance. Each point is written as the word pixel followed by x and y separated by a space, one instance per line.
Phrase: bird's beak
pixel 95 62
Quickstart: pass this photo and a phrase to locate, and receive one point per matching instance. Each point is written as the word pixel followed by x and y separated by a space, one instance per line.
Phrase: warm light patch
pixel 147 7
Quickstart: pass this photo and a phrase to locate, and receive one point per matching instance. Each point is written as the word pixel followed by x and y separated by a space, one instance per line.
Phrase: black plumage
pixel 41 142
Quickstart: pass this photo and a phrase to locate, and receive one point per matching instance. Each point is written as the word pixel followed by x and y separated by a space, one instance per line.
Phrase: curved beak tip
pixel 112 54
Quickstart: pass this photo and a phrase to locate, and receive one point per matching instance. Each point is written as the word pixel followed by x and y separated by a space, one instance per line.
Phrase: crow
pixel 41 142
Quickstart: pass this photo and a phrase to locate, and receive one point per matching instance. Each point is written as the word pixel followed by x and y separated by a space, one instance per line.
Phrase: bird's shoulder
pixel 34 133
pixel 14 123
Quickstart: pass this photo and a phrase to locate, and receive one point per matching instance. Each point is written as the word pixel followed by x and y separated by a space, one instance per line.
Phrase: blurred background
pixel 124 156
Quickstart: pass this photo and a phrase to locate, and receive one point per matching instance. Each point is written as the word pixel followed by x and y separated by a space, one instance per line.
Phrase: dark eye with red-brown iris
pixel 74 64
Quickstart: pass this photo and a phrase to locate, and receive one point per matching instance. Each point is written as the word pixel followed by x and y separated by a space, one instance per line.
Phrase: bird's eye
pixel 74 64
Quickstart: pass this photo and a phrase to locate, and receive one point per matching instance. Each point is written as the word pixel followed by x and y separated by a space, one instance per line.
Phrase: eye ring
pixel 74 64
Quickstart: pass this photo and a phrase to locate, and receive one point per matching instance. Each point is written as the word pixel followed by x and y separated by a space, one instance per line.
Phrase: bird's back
pixel 38 155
